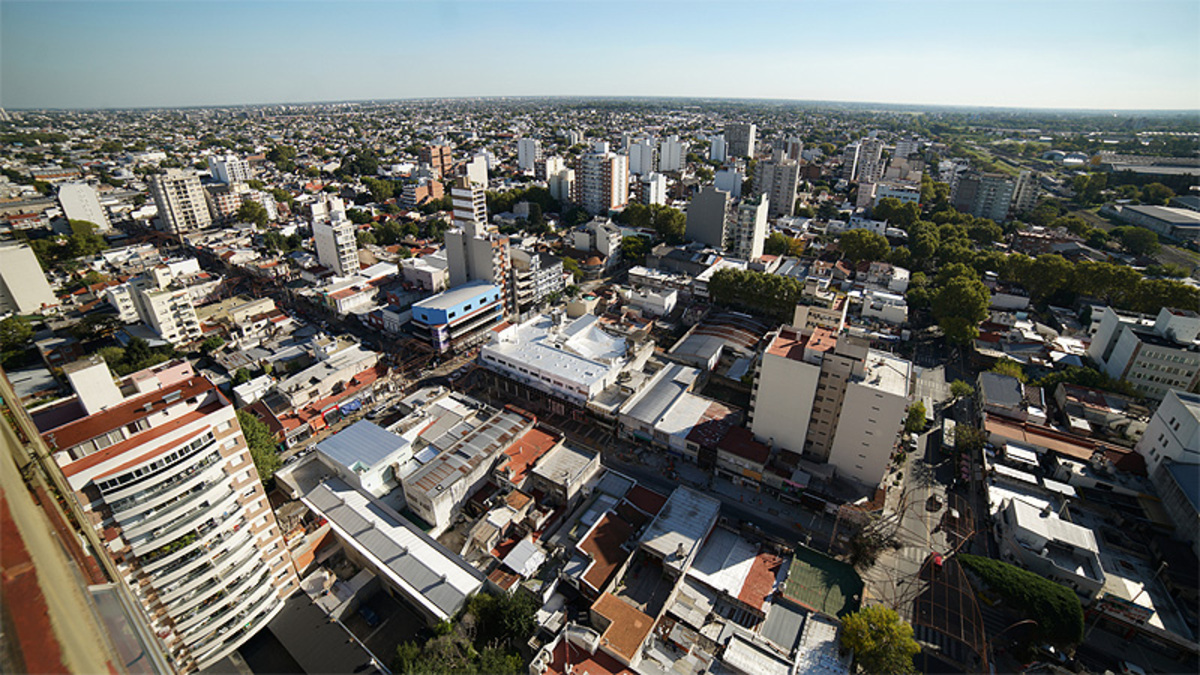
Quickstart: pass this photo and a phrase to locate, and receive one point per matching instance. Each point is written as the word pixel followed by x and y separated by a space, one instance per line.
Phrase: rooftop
pixel 628 629
pixel 456 296
pixel 822 584
pixel 684 521
pixel 888 373
pixel 604 543
pixel 361 446
pixel 476 445
pixel 1047 525
pixel 430 575
pixel 528 449
pixel 564 464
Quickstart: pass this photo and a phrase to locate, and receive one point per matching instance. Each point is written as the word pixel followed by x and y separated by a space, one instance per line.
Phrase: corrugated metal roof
pixel 363 442
pixel 431 575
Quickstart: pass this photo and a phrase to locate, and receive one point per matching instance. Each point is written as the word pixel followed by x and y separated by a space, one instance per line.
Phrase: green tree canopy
pixel 1055 607
pixel 1007 366
pixel 959 306
pixel 915 421
pixel 1137 240
pixel 863 245
pixel 960 389
pixel 882 642
pixel 769 294
pixel 262 445
pixel 15 333
pixel 634 248
pixel 252 212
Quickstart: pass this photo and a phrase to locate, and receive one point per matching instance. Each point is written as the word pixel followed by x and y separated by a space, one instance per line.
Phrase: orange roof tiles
pixel 628 629
pixel 760 580
pixel 526 451
pixel 129 410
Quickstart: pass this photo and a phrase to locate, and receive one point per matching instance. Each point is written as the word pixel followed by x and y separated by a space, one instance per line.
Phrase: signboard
pixel 1117 606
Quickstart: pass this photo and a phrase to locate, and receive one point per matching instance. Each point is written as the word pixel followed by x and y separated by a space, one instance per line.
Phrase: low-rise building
pixel 459 318
pixel 437 490
pixel 883 306
pixel 573 360
pixel 1042 542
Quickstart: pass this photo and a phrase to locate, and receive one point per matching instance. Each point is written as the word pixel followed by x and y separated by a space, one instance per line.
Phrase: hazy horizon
pixel 1060 55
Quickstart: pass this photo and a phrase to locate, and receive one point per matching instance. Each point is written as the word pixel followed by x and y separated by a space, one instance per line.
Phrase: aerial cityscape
pixel 599 337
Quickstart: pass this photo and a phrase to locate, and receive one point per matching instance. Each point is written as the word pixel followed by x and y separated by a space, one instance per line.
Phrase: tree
pixel 571 265
pixel 262 445
pixel 1157 193
pixel 959 306
pixel 634 248
pixel 863 245
pixel 15 333
pixel 882 642
pixel 1010 368
pixel 211 344
pixel 776 244
pixel 1055 607
pixel 358 216
pixel 1137 240
pixel 915 422
pixel 960 389
pixel 242 376
pixel 83 240
pixel 252 212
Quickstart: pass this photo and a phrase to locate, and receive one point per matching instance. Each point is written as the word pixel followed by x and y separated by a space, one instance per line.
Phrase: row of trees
pixel 1055 607
pixel 769 294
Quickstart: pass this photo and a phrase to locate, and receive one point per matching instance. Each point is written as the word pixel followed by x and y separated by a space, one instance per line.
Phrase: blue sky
pixel 1137 54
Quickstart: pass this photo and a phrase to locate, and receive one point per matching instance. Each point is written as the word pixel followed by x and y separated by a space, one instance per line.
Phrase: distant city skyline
pixel 1060 54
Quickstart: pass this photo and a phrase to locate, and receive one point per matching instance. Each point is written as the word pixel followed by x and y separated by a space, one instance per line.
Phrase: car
pixel 369 616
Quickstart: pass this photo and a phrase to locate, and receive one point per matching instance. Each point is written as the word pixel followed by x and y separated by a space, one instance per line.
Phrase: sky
pixel 1090 54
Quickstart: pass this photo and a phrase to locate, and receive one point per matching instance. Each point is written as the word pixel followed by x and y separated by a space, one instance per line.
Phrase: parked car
pixel 369 616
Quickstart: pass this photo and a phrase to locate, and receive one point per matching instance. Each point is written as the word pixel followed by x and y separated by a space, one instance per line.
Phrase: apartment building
pixel 534 277
pixel 994 195
pixel 529 152
pixel 652 188
pixel 602 180
pixel 475 251
pixel 229 169
pixel 780 180
pixel 641 156
pixel 1154 354
pixel 750 230
pixel 740 139
pixel 718 149
pixel 460 317
pixel 79 202
pixel 334 236
pixel 23 285
pixel 1171 448
pixel 224 200
pixel 671 154
pixel 708 217
pixel 182 206
pixel 439 158
pixel 160 468
pixel 167 311
pixel 805 380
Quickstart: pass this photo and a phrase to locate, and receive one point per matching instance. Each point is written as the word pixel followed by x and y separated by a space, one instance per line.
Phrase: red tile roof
pixel 130 410
pixel 579 660
pixel 526 451
pixel 760 580
pixel 646 499
pixel 629 626
pixel 603 544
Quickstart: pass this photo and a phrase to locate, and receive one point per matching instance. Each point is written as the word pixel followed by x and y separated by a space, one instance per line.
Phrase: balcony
pixel 118 504
pixel 207 488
